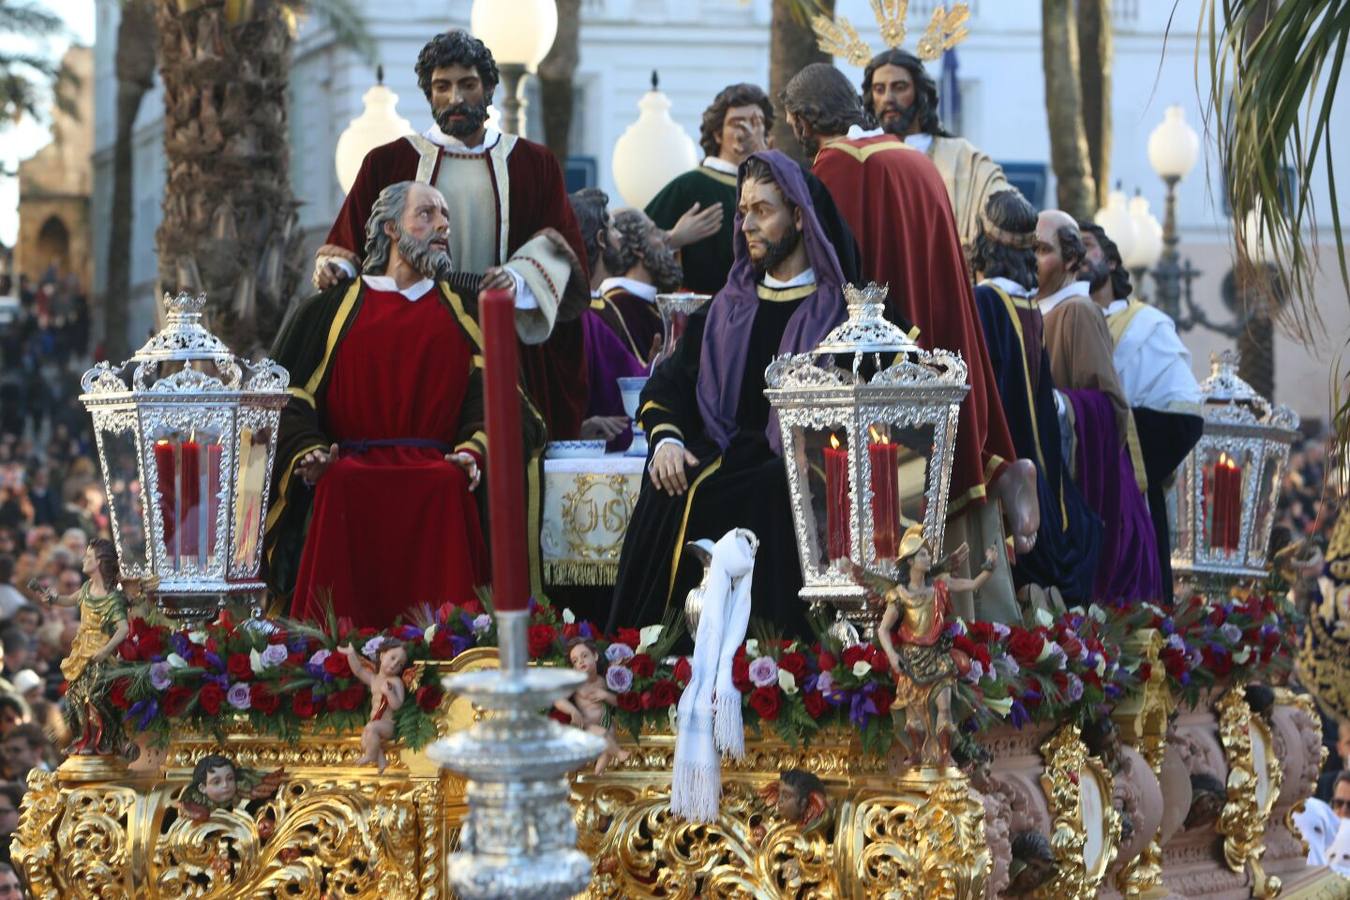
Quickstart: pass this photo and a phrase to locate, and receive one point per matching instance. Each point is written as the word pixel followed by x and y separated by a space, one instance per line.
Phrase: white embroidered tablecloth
pixel 587 504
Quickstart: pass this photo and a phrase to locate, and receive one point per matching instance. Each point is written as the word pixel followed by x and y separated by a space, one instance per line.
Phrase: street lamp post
pixel 1172 151
pixel 519 34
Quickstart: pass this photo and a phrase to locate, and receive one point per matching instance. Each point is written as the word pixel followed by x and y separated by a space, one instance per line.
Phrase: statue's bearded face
pixel 1095 268
pixel 892 96
pixel 423 232
pixel 459 100
pixel 771 225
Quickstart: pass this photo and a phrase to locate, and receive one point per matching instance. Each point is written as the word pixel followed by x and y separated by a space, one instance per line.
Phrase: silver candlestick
pixel 519 838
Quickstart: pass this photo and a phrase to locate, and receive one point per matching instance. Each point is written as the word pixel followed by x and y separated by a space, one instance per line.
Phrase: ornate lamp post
pixel 652 150
pixel 1172 151
pixel 379 123
pixel 868 421
pixel 187 435
pixel 1226 492
pixel 519 34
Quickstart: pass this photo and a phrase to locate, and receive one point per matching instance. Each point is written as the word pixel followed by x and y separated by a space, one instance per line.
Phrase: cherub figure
pixel 799 797
pixel 923 662
pixel 217 783
pixel 588 707
pixel 388 685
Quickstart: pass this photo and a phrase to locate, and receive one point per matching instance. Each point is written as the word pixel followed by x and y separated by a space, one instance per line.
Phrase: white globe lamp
pixel 652 150
pixel 379 123
pixel 1114 219
pixel 1148 236
pixel 519 33
pixel 1173 146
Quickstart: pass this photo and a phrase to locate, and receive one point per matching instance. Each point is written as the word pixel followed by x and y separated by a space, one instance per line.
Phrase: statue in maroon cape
pixel 381 443
pixel 896 203
pixel 717 458
pixel 508 207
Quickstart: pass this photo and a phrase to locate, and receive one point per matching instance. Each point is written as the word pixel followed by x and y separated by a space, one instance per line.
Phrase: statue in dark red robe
pixel 502 191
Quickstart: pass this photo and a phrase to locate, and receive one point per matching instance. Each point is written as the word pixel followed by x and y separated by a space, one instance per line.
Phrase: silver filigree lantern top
pixel 868 421
pixel 1225 494
pixel 187 436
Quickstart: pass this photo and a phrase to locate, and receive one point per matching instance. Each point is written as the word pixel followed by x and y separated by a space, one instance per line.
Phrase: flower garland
pixel 281 676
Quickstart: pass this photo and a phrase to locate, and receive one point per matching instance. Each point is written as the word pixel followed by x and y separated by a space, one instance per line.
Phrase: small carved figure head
pixel 975 760
pixel 392 657
pixel 1208 795
pixel 801 797
pixel 1260 699
pixel 584 656
pixel 1102 738
pixel 1033 863
pixel 216 778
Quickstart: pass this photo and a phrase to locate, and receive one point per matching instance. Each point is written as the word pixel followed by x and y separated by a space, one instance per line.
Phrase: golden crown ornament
pixel 946 28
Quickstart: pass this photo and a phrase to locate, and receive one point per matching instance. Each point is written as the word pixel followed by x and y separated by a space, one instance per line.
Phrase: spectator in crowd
pixel 11 598
pixel 1340 795
pixel 27 619
pixel 18 655
pixel 11 800
pixel 10 886
pixel 24 749
pixel 13 713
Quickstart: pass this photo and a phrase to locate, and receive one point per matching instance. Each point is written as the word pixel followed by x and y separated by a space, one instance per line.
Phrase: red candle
pixel 189 511
pixel 212 486
pixel 836 500
pixel 1234 503
pixel 1225 504
pixel 885 458
pixel 168 495
pixel 506 468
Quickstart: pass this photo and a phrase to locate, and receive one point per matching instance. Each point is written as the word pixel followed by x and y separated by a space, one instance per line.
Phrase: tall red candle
pixel 885 458
pixel 189 511
pixel 506 467
pixel 1225 504
pixel 212 486
pixel 836 500
pixel 168 495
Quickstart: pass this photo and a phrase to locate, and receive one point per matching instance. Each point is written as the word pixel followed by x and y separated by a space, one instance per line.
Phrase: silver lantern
pixel 868 421
pixel 187 436
pixel 1224 497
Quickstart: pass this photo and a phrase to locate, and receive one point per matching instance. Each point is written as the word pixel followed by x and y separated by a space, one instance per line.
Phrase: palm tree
pixel 230 227
pixel 556 74
pixel 792 47
pixel 1271 110
pixel 25 76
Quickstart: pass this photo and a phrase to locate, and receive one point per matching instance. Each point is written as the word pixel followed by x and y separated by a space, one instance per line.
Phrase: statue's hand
pixel 314 463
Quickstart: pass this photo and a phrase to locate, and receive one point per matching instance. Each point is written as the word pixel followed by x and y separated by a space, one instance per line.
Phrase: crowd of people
pixel 51 505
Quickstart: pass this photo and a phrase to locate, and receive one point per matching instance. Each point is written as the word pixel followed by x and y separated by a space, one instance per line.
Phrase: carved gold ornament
pixel 1253 786
pixel 1085 826
pixel 946 28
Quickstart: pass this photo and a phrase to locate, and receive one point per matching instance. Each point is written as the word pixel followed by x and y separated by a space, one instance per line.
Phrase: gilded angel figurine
pixel 217 783
pixel 389 681
pixel 923 662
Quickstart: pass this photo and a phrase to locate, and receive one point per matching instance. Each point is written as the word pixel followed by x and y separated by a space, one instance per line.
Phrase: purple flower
pixel 1074 692
pixel 1032 694
pixel 159 676
pixel 459 643
pixel 144 712
pixel 763 672
pixel 316 661
pixel 467 620
pixel 298 644
pixel 214 661
pixel 1166 627
pixel 976 672
pixel 273 655
pixel 617 653
pixel 1018 714
pixel 409 633
pixel 1230 632
pixel 238 696
pixel 1001 631
pixel 481 623
pixel 1185 678
pixel 372 646
pixel 825 683
pixel 1112 690
pixel 181 645
pixel 586 630
pixel 222 680
pixel 618 678
pixel 860 707
pixel 1006 666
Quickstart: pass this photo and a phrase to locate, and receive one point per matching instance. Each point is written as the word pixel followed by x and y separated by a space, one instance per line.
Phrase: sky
pixel 21 140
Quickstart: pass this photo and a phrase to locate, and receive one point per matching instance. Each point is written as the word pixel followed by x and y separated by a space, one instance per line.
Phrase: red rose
pixel 429 697
pixel 441 646
pixel 303 704
pixel 117 693
pixel 1144 672
pixel 176 700
pixel 664 693
pixel 210 698
pixel 765 702
pixel 1072 646
pixel 1217 616
pixel 298 658
pixel 1061 680
pixel 816 704
pixel 683 671
pixel 262 699
pixel 239 668
pixel 1219 661
pixel 882 698
pixel 826 661
pixel 878 659
pixel 630 636
pixel 350 698
pixel 853 655
pixel 630 701
pixel 1175 663
pixel 642 665
pixel 541 640
pixel 472 607
pixel 337 666
pixel 570 630
pixel 981 631
pixel 794 664
pixel 740 673
pixel 1026 646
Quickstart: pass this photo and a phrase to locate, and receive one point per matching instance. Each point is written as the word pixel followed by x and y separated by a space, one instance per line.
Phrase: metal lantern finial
pixel 1225 494
pixel 187 435
pixel 868 422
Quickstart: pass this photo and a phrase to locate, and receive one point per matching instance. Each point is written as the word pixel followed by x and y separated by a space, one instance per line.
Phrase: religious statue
pixel 95 724
pixel 589 704
pixel 217 783
pixel 1208 796
pixel 924 665
pixel 1033 863
pixel 388 681
pixel 799 797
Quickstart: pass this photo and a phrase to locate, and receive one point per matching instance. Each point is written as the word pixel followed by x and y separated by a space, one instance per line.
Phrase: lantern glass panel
pixel 899 458
pixel 249 488
pixel 191 483
pixel 1267 498
pixel 1224 489
pixel 822 468
pixel 1179 505
pixel 126 496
